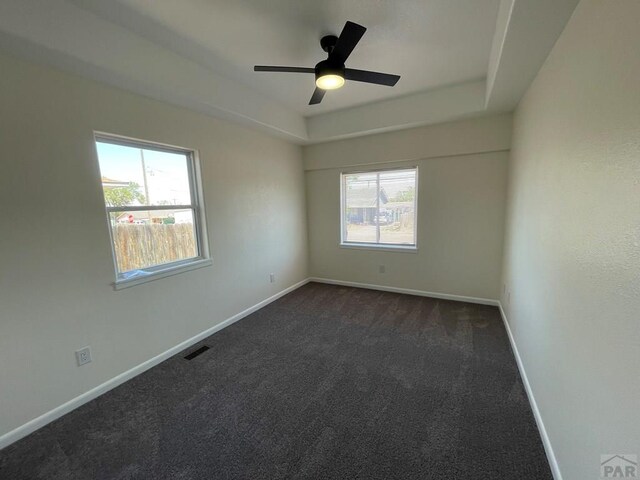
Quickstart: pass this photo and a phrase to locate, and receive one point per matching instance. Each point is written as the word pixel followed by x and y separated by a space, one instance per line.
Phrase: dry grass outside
pixel 394 233
pixel 142 246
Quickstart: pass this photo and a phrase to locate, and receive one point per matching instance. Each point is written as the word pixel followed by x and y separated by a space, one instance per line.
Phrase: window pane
pixel 379 207
pixel 397 213
pixel 360 207
pixel 145 239
pixel 143 176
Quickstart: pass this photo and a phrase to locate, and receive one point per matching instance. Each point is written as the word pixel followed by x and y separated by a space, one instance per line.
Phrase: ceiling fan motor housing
pixel 327 67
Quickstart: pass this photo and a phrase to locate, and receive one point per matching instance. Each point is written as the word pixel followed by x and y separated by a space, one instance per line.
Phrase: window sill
pixel 151 275
pixel 387 248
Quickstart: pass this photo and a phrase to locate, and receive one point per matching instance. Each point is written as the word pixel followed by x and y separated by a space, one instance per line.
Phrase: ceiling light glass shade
pixel 329 81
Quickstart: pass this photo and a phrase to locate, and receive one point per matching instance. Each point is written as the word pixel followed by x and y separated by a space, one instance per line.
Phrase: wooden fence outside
pixel 140 246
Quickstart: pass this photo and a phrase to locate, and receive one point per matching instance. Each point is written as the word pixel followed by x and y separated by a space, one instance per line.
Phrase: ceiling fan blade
pixel 371 77
pixel 347 41
pixel 268 68
pixel 316 98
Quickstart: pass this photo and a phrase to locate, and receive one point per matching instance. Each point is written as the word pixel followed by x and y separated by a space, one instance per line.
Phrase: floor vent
pixel 197 352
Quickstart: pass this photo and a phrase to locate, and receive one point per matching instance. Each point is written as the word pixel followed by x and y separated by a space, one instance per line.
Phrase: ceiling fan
pixel 331 73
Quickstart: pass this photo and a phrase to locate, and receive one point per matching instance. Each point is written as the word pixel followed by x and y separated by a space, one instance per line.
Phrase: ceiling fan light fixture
pixel 329 75
pixel 330 81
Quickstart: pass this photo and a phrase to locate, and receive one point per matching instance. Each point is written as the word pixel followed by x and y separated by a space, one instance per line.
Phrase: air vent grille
pixel 197 352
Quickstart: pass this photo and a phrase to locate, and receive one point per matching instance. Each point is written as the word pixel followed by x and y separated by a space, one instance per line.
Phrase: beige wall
pixel 572 248
pixel 56 265
pixel 461 202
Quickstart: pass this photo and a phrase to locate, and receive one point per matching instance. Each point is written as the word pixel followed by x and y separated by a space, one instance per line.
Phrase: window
pixel 153 203
pixel 379 208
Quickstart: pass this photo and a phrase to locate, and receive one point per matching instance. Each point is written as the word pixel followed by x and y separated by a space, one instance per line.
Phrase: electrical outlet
pixel 504 288
pixel 272 277
pixel 382 269
pixel 83 356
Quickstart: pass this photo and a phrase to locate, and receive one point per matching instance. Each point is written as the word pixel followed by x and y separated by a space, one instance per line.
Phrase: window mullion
pixel 144 208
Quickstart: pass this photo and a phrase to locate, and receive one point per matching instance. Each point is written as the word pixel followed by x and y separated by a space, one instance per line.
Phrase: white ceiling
pixel 430 43
pixel 200 54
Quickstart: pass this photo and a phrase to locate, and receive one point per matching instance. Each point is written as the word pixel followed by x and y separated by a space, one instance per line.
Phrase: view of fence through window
pixel 379 207
pixel 150 204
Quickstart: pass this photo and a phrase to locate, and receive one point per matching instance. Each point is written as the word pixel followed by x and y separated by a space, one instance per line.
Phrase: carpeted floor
pixel 328 382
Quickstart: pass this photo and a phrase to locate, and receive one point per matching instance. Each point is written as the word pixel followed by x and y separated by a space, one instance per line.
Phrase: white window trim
pixel 162 271
pixel 390 247
pixel 197 204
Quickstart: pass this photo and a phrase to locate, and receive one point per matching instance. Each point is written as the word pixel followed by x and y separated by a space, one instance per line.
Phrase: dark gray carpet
pixel 326 383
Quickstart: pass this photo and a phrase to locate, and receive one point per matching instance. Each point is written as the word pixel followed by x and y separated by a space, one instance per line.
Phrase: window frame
pixel 393 247
pixel 203 257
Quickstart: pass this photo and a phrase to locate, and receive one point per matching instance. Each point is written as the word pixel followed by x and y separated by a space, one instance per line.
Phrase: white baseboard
pixel 48 417
pixel 551 456
pixel 420 293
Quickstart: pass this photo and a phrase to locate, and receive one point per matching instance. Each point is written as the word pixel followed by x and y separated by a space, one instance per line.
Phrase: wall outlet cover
pixel 83 356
